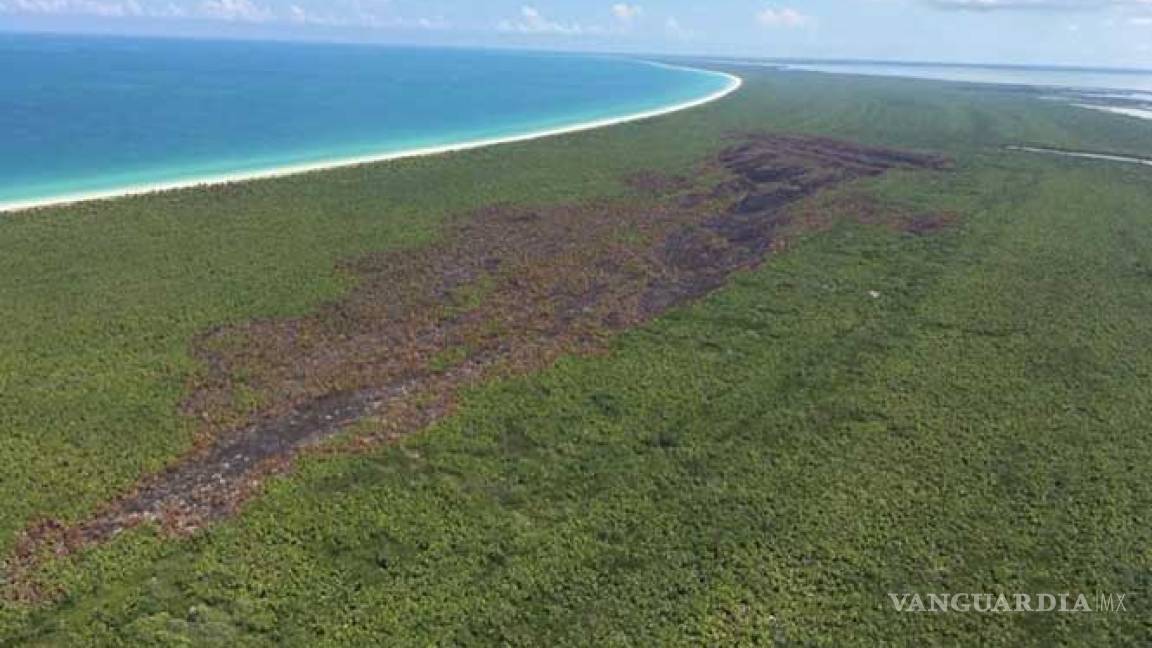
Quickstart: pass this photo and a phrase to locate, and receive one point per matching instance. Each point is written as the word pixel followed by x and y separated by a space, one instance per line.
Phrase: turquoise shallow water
pixel 83 114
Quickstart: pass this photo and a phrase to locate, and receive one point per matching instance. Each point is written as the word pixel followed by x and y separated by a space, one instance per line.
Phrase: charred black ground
pixel 508 290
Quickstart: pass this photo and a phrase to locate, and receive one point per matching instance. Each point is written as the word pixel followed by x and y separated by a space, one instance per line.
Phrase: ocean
pixel 97 115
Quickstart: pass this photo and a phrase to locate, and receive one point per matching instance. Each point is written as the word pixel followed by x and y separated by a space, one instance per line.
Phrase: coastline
pixel 1085 155
pixel 734 84
pixel 1138 113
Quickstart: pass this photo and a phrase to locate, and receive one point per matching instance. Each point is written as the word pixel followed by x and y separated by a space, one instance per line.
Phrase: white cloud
pixel 302 16
pixel 110 8
pixel 211 9
pixel 234 10
pixel 350 13
pixel 531 21
pixel 627 13
pixel 676 30
pixel 783 17
pixel 1034 5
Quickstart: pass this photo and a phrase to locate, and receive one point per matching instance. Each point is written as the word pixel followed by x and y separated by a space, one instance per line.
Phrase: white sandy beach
pixel 734 84
pixel 1139 113
pixel 1083 155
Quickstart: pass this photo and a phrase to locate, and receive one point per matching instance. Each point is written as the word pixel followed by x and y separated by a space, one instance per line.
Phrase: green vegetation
pixel 763 466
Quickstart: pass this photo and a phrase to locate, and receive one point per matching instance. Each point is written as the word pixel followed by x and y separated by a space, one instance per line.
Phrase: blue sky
pixel 1070 32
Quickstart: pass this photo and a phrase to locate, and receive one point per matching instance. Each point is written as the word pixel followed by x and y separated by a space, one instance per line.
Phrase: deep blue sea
pixel 90 114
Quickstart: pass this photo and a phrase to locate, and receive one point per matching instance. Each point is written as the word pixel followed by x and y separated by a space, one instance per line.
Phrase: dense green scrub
pixel 763 466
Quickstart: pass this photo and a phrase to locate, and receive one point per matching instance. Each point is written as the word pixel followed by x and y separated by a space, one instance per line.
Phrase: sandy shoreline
pixel 1139 113
pixel 734 84
pixel 1107 157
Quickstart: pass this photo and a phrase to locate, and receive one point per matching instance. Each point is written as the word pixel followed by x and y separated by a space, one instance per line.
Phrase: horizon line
pixel 711 57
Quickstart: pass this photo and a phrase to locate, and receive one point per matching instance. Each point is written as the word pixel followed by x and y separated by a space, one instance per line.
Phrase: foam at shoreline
pixel 734 84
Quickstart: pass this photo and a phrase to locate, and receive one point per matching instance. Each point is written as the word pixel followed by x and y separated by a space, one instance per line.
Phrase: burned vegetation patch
pixel 505 291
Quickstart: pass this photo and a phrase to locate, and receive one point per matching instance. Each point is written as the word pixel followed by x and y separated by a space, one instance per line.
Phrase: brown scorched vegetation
pixel 508 290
